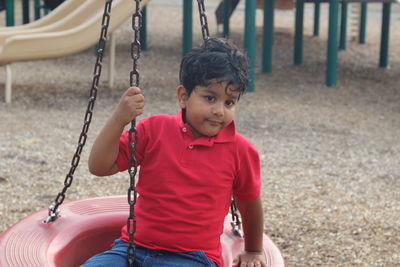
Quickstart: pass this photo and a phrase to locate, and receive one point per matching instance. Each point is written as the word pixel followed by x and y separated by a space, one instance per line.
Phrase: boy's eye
pixel 210 98
pixel 230 103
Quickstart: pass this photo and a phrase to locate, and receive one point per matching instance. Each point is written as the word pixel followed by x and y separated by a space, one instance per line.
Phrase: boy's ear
pixel 182 96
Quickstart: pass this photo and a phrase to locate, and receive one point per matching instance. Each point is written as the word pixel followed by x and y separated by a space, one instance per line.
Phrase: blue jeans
pixel 116 257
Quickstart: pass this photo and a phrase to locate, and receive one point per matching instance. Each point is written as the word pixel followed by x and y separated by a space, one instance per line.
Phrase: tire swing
pixel 87 227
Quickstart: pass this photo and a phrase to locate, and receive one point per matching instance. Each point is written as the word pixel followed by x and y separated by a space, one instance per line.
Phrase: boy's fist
pixel 250 259
pixel 130 106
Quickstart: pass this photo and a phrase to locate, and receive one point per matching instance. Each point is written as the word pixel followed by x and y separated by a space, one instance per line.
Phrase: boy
pixel 190 165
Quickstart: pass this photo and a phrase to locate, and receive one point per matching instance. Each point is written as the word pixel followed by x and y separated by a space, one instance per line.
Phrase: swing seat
pixel 85 228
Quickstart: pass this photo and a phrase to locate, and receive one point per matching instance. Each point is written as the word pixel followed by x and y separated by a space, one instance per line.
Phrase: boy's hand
pixel 250 259
pixel 129 107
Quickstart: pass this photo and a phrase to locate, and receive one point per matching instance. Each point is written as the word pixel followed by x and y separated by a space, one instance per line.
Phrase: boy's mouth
pixel 214 122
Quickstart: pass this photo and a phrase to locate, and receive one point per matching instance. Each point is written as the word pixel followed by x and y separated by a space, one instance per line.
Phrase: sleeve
pixel 124 148
pixel 247 184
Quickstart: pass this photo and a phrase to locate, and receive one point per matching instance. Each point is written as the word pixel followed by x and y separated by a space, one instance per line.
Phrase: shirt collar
pixel 225 136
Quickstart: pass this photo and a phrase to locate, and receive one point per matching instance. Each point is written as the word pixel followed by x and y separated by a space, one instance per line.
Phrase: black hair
pixel 216 60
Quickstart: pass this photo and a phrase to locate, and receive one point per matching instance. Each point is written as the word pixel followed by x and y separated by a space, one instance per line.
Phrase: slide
pixel 67 18
pixel 41 45
pixel 61 11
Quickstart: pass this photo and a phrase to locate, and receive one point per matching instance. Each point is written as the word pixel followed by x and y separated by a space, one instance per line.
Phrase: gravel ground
pixel 330 156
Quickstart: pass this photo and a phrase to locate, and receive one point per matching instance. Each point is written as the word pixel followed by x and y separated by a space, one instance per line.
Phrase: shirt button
pixel 190 147
pixel 184 129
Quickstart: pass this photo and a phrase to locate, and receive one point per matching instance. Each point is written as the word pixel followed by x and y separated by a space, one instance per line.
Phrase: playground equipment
pixel 358 18
pixel 8 6
pixel 226 8
pixel 76 31
pixel 74 15
pixel 62 11
pixel 87 227
pixel 332 50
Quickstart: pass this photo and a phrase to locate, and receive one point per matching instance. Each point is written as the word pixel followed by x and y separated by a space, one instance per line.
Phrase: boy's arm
pixel 104 153
pixel 253 228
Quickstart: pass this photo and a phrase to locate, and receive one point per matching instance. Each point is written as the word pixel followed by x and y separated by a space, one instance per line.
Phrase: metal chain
pixel 54 209
pixel 203 20
pixel 236 222
pixel 132 164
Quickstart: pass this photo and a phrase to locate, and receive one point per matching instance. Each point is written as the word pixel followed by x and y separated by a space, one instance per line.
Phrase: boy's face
pixel 210 108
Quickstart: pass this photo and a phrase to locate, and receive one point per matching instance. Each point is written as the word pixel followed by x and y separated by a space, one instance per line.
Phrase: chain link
pixel 54 209
pixel 132 163
pixel 236 222
pixel 203 20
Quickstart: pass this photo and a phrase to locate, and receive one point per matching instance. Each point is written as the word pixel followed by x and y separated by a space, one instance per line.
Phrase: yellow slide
pixel 40 45
pixel 64 38
pixel 61 11
pixel 66 18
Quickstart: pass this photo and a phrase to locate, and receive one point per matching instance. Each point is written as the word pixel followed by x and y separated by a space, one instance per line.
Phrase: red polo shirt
pixel 185 184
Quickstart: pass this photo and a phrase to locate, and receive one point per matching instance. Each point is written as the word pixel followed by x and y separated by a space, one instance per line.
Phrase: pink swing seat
pixel 85 228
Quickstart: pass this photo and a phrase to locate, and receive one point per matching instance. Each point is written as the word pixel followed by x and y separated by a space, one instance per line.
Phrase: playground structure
pixel 53 17
pixel 333 44
pixel 69 29
pixel 15 37
pixel 333 32
pixel 71 15
pixel 38 7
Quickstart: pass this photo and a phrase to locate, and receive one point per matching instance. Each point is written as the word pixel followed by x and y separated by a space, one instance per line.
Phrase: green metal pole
pixel 268 35
pixel 250 39
pixel 37 7
pixel 25 11
pixel 10 13
pixel 46 10
pixel 227 7
pixel 143 30
pixel 298 35
pixel 331 64
pixel 187 26
pixel 343 26
pixel 317 12
pixel 384 50
pixel 363 23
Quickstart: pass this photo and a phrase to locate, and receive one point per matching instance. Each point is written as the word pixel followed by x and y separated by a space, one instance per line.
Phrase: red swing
pixel 87 227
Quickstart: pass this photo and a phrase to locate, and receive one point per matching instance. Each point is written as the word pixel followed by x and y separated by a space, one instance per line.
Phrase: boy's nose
pixel 218 109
